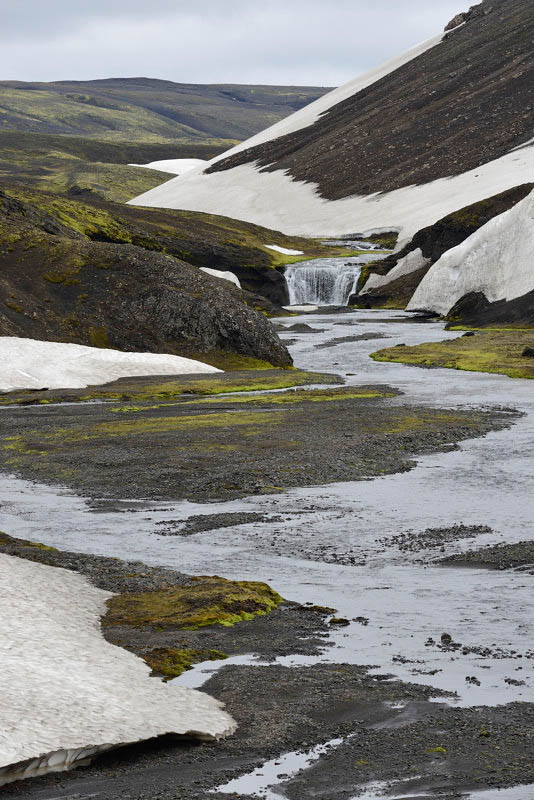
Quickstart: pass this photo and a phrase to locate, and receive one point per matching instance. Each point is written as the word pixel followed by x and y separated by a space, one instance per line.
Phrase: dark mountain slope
pixel 462 103
pixel 143 109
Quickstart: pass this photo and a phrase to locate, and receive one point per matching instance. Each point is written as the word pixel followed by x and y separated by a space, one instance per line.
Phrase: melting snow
pixel 284 250
pixel 174 166
pixel 67 693
pixel 497 260
pixel 410 263
pixel 225 276
pixel 32 364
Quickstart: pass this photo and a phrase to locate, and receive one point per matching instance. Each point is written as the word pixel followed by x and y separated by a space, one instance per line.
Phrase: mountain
pixel 147 110
pixel 443 126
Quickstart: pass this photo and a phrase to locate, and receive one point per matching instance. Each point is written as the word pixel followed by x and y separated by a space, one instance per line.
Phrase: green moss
pixel 229 362
pixel 489 351
pixel 67 273
pixel 136 392
pixel 98 337
pixel 35 443
pixel 15 307
pixel 172 663
pixel 205 601
pixel 6 541
pixel 297 396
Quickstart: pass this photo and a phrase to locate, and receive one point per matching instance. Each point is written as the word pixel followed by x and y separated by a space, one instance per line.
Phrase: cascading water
pixel 323 282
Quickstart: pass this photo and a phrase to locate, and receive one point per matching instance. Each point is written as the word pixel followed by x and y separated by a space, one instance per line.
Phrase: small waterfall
pixel 323 282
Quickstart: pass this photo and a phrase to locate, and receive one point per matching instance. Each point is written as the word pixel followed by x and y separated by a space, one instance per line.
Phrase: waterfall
pixel 323 282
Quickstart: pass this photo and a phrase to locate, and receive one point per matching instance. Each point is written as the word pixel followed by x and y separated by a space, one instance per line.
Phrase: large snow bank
pixel 497 260
pixel 32 364
pixel 275 200
pixel 225 276
pixel 174 166
pixel 67 693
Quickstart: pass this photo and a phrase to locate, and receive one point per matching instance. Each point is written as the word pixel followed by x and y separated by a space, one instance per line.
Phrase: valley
pixel 266 486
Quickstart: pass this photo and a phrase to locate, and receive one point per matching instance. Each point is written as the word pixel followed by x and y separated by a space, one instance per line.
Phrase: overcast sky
pixel 302 42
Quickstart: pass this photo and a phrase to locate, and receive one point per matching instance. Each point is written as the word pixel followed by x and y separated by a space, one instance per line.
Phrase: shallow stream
pixel 334 545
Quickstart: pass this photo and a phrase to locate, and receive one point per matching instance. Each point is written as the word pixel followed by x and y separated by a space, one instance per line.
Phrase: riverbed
pixel 347 545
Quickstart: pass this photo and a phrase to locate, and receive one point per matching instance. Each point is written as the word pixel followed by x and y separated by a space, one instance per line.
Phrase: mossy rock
pixel 171 662
pixel 205 601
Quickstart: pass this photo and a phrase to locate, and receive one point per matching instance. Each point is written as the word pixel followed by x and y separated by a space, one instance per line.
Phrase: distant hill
pixel 148 110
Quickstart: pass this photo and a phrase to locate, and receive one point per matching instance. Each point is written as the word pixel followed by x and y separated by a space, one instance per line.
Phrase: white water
pixel 322 282
pixel 489 481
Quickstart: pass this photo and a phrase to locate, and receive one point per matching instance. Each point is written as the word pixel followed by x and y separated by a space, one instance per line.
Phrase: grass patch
pixel 493 351
pixel 171 662
pixel 206 601
pixel 298 396
pixel 148 389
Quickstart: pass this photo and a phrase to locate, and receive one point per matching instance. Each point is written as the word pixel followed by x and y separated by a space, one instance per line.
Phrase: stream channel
pixel 329 549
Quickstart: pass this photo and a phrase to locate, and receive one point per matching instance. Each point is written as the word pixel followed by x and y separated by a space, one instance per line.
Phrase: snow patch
pixel 302 309
pixel 275 200
pixel 32 364
pixel 66 692
pixel 497 260
pixel 284 250
pixel 410 263
pixel 174 166
pixel 225 276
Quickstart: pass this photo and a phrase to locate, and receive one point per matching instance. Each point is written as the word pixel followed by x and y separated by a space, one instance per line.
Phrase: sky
pixel 288 42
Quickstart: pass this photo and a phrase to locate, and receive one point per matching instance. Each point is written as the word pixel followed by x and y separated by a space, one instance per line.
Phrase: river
pixel 335 555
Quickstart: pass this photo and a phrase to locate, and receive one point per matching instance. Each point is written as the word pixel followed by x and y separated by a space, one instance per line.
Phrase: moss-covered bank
pixel 504 352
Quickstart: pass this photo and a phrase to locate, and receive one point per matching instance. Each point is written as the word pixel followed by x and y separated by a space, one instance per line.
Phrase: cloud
pixel 246 41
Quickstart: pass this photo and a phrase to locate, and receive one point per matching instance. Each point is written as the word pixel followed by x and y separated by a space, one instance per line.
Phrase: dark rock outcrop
pixel 467 16
pixel 67 288
pixel 475 310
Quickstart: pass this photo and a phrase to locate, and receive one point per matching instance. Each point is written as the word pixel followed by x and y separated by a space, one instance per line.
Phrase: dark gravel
pixel 501 556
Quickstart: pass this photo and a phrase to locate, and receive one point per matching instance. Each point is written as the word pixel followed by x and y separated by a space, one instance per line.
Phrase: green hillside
pixel 76 166
pixel 147 110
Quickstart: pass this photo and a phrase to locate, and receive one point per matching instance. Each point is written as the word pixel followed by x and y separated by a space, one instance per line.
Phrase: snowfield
pixel 497 260
pixel 225 276
pixel 284 250
pixel 174 166
pixel 32 364
pixel 68 694
pixel 275 200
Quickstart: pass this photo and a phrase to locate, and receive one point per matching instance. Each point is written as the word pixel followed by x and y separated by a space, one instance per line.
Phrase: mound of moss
pixel 172 662
pixel 205 601
pixel 498 351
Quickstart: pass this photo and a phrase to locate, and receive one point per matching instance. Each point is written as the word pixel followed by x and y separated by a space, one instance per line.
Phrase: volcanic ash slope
pixel 444 125
pixel 496 261
pixel 67 693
